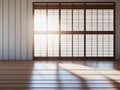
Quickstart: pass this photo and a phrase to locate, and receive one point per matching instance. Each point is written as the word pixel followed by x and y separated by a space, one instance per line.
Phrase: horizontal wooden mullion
pixel 46 6
pixel 72 58
pixel 40 6
pixel 74 32
pixel 99 32
pixel 99 6
pixel 73 6
pixel 78 6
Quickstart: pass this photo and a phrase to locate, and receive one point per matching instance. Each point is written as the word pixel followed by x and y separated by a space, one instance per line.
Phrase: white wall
pixel 16 28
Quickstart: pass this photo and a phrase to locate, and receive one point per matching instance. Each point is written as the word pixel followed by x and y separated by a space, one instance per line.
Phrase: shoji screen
pixel 73 30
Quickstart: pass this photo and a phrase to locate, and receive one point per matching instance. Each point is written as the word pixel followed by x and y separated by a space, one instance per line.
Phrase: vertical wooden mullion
pixel 59 30
pixel 84 30
pixel 78 34
pixel 108 35
pixel 114 29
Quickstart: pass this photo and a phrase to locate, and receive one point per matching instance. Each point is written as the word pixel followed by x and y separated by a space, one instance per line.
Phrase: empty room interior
pixel 59 44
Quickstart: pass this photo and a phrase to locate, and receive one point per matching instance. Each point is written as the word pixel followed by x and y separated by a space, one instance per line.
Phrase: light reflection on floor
pixel 76 74
pixel 64 75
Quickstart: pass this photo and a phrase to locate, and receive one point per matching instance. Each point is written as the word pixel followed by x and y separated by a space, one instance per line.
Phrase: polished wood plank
pixel 60 75
pixel 57 85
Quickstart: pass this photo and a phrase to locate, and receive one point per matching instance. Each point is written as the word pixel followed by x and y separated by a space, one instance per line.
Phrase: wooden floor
pixel 60 75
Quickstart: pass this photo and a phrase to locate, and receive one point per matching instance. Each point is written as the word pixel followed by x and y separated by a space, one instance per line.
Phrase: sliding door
pixel 46 34
pixel 73 30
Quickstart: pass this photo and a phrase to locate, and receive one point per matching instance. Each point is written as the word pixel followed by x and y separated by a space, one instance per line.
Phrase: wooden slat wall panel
pixel 18 31
pixel 1 29
pixel 5 30
pixel 16 26
pixel 24 29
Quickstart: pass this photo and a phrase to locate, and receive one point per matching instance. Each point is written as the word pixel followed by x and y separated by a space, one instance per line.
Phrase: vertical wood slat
pixel 5 38
pixel 24 29
pixel 18 32
pixel 30 30
pixel 1 53
pixel 11 29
